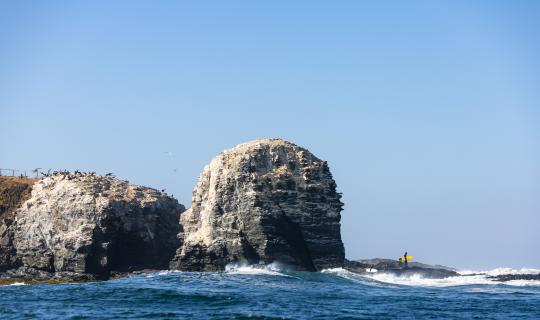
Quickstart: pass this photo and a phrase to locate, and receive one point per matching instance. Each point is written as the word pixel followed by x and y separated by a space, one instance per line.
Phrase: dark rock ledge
pixel 393 267
pixel 425 270
pixel 509 277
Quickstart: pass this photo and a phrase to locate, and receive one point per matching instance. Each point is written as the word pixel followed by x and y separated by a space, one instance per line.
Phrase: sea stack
pixel 83 223
pixel 261 202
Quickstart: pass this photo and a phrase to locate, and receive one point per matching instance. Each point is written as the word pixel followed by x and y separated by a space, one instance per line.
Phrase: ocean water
pixel 271 293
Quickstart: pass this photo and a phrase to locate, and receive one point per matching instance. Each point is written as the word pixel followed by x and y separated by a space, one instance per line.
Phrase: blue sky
pixel 427 112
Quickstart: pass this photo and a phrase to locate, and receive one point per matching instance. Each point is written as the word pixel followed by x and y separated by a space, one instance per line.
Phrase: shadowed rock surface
pixel 263 201
pixel 13 192
pixel 89 224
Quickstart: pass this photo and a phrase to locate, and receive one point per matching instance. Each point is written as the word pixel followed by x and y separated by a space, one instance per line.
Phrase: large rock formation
pixel 263 201
pixel 89 224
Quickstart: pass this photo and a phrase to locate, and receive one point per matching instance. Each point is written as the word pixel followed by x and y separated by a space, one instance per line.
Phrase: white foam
pixel 168 272
pixel 17 284
pixel 340 272
pixel 466 278
pixel 160 273
pixel 501 271
pixel 523 283
pixel 418 280
pixel 335 270
pixel 273 269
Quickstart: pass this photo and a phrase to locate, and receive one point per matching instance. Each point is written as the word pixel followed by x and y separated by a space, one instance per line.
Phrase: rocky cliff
pixel 90 224
pixel 263 201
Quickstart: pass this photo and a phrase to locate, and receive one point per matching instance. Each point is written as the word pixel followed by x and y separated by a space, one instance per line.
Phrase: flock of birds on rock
pixel 75 174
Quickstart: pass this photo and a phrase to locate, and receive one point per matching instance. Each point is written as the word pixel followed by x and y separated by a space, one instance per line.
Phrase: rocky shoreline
pixel 264 201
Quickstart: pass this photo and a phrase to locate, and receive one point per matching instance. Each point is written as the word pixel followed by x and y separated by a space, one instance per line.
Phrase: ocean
pixel 272 293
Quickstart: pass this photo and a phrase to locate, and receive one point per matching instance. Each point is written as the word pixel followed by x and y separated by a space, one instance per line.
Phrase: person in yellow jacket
pixel 404 261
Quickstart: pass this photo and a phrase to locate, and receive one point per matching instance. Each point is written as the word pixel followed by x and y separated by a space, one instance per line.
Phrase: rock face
pixel 90 224
pixel 8 255
pixel 261 202
pixel 13 192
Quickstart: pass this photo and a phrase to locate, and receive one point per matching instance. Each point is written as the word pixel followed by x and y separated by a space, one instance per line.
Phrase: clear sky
pixel 428 112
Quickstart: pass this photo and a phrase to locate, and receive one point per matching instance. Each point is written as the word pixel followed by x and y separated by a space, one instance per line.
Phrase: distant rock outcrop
pixel 368 266
pixel 263 201
pixel 512 277
pixel 89 224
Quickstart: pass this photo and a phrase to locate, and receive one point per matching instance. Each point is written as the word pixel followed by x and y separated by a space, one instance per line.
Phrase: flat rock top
pixel 265 143
pixel 273 142
pixel 96 185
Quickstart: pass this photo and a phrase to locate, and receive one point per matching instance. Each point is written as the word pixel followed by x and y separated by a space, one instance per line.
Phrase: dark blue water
pixel 249 294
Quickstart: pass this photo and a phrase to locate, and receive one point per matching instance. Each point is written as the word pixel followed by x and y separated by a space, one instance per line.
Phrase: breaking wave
pixel 466 278
pixel 501 271
pixel 378 279
pixel 351 276
pixel 273 269
pixel 418 280
pixel 16 284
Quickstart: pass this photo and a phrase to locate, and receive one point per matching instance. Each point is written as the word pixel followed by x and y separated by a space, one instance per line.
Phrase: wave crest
pixel 462 280
pixel 466 278
pixel 273 269
pixel 501 271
